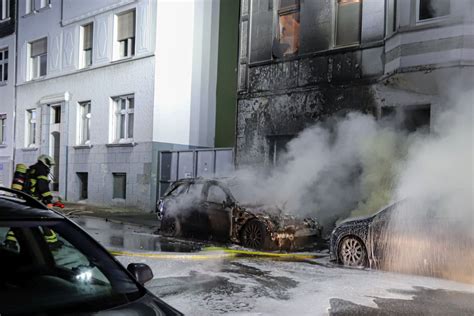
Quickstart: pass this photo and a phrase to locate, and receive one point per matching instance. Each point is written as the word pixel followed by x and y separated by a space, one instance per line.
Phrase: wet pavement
pixel 200 282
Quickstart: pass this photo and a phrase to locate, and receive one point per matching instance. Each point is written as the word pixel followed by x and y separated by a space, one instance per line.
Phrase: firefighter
pixel 38 179
pixel 19 177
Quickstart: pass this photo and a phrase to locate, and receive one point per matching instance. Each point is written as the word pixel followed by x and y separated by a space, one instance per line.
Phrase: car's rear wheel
pixel 254 235
pixel 170 227
pixel 352 252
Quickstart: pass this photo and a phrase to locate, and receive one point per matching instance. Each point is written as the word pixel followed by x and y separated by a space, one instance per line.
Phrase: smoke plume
pixel 330 170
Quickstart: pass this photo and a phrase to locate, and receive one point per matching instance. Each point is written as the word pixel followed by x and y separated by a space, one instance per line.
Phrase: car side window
pixel 178 190
pixel 195 191
pixel 8 240
pixel 216 195
pixel 68 257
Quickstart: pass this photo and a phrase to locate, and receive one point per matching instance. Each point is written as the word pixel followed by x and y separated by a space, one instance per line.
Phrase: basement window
pixel 287 41
pixel 83 185
pixel 120 186
pixel 430 9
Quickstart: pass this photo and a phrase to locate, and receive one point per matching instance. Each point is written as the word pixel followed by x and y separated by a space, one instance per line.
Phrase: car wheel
pixel 170 227
pixel 254 235
pixel 352 252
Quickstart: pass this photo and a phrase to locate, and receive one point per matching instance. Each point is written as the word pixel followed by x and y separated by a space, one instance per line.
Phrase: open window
pixel 287 40
pixel 126 34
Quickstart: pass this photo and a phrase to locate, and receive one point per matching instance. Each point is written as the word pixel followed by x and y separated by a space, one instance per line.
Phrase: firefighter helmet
pixel 48 161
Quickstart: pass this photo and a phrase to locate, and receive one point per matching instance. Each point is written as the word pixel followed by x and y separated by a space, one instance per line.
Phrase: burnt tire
pixel 170 227
pixel 352 252
pixel 254 235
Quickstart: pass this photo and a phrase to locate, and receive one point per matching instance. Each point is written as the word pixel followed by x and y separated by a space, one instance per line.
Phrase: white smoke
pixel 330 170
pixel 432 233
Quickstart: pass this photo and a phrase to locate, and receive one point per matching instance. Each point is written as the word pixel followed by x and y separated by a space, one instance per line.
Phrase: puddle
pixel 132 237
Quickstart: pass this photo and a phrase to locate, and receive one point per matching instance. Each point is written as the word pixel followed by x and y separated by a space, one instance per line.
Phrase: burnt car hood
pixel 285 223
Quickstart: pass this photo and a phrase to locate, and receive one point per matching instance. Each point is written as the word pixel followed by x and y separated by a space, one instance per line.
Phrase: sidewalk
pixel 112 213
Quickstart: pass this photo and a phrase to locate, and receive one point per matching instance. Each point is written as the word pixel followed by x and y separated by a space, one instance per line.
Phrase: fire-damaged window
pixel 277 147
pixel 348 21
pixel 287 40
pixel 430 9
pixel 216 195
pixel 409 118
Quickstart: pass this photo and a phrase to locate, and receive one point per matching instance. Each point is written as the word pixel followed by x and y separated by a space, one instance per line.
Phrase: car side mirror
pixel 141 272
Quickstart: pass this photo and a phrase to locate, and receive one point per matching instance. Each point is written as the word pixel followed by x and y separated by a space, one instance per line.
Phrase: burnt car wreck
pixel 205 209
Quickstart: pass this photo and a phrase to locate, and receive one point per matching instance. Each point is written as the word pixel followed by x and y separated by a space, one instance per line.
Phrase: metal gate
pixel 175 165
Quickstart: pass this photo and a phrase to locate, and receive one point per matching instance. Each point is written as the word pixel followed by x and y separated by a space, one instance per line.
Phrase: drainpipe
pixel 15 88
pixel 66 104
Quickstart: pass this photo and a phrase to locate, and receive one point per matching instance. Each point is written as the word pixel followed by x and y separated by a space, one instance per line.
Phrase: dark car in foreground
pixel 73 275
pixel 205 209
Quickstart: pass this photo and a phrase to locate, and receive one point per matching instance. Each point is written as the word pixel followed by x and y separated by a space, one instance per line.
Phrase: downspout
pixel 15 88
pixel 66 104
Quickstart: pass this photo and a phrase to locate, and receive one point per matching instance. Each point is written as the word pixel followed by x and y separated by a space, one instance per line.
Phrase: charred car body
pixel 206 209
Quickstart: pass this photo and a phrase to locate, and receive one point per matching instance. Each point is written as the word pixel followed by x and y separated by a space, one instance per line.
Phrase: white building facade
pixel 7 89
pixel 103 85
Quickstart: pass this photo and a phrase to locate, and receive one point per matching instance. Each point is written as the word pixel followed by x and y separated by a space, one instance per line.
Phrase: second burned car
pixel 206 209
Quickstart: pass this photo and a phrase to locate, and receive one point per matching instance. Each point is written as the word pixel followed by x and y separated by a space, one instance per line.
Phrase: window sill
pixel 3 145
pixel 130 144
pixel 83 146
pixel 30 149
pixel 46 7
pixel 3 84
pixel 29 14
pixel 37 78
pixel 5 20
pixel 120 59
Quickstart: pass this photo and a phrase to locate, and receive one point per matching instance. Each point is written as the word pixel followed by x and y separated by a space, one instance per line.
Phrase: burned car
pixel 205 209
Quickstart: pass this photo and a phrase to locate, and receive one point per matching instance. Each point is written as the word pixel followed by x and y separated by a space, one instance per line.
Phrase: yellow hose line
pixel 253 253
pixel 217 253
pixel 173 256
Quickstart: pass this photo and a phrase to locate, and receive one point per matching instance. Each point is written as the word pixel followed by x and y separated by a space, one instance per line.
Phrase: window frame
pixel 5 10
pixel 29 7
pixel 84 118
pixel 31 126
pixel 125 48
pixel 115 176
pixel 336 24
pixel 3 128
pixel 117 113
pixel 433 19
pixel 284 11
pixel 4 65
pixel 34 62
pixel 45 4
pixel 84 51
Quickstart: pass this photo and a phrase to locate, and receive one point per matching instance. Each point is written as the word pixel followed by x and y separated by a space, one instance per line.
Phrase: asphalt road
pixel 198 281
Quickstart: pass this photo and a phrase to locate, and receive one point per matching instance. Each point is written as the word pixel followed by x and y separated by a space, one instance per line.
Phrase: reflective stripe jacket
pixel 39 182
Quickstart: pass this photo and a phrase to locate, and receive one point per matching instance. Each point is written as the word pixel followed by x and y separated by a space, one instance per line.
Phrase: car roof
pixel 16 205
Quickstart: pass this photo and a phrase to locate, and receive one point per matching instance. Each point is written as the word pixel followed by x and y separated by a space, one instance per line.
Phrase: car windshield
pixel 53 266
